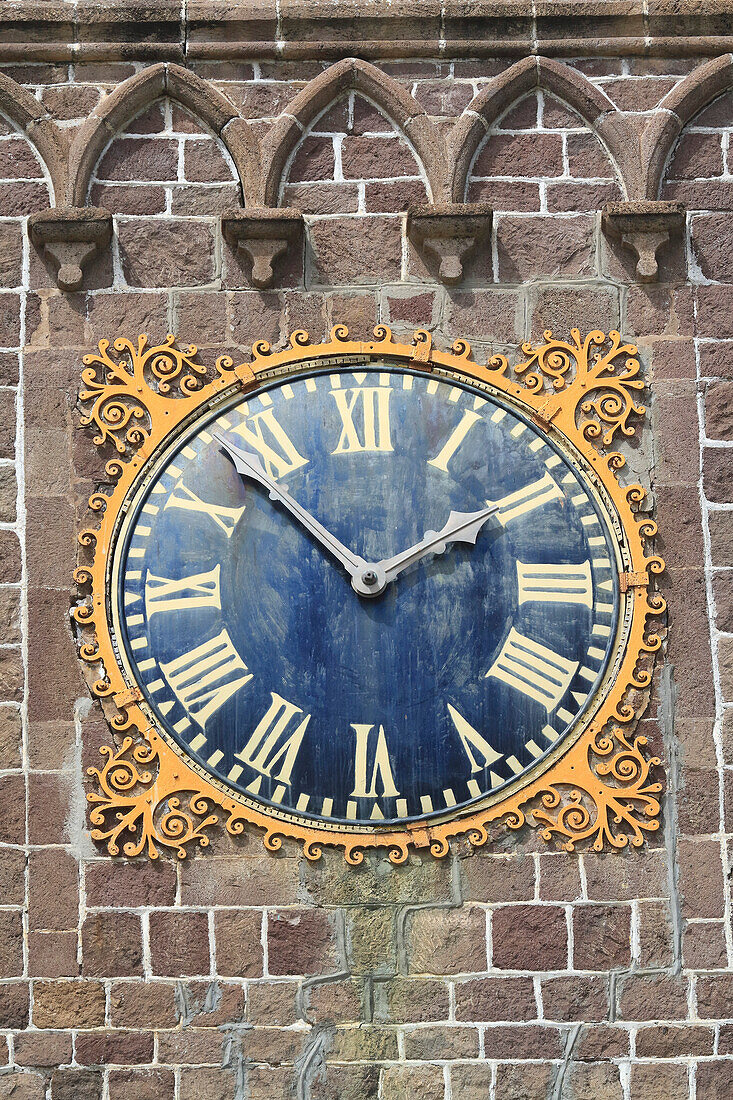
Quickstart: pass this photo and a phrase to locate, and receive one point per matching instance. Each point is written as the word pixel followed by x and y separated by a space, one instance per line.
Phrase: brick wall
pixel 511 973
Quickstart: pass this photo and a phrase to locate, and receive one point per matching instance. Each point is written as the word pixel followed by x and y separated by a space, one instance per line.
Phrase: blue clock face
pixel 366 596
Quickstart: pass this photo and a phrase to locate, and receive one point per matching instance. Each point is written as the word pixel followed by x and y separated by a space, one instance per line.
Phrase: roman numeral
pixel 555 583
pixel 225 518
pixel 454 440
pixel 271 746
pixel 371 750
pixel 472 739
pixel 265 435
pixel 206 677
pixel 533 669
pixel 525 500
pixel 183 594
pixel 370 406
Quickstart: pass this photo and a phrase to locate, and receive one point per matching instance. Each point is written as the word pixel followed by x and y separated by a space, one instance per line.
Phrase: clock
pixel 364 595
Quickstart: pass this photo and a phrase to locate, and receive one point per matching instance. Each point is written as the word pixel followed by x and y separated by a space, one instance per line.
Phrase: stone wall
pixel 513 972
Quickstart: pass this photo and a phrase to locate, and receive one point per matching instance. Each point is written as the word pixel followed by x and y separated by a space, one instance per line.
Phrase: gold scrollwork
pixel 601 791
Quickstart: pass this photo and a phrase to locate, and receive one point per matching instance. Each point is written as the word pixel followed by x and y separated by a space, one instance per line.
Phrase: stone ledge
pixel 263 235
pixel 643 226
pixel 168 29
pixel 70 236
pixel 450 232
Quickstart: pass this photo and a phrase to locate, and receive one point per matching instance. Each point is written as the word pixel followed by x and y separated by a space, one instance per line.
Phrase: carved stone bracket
pixel 450 232
pixel 70 236
pixel 263 235
pixel 643 226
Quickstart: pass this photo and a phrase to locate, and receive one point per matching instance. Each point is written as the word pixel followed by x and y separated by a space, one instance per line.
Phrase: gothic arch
pixel 352 74
pixel 574 89
pixel 137 92
pixel 679 107
pixel 37 125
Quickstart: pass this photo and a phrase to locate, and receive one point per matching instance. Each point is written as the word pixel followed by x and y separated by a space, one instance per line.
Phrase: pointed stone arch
pixel 38 126
pixel 352 74
pixel 137 92
pixel 568 85
pixel 679 106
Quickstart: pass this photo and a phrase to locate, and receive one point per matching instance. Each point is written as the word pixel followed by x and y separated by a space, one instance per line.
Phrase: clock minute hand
pixel 249 465
pixel 461 527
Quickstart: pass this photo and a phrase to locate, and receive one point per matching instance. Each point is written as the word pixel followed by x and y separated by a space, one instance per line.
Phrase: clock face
pixel 417 694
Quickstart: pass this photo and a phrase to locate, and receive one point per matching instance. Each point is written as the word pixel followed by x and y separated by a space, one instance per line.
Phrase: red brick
pixel 485 314
pixel 12 876
pixel 696 156
pixel 76 1084
pixel 143 1004
pixel 659 1081
pixel 343 255
pixel 18 160
pixel 581 198
pixel 272 1003
pixel 103 1048
pixel 523 1041
pixel 42 1048
pixel 179 943
pixel 714 311
pixel 49 799
pixel 529 247
pixel 673 358
pixel 314 160
pixel 496 999
pixel 442 1041
pixel 388 197
pixel 142 1084
pixel 587 158
pixel 208 1084
pixel 701 877
pixel 653 997
pixel 599 1080
pixel 238 947
pixel 520 155
pixel 204 163
pixel 714 994
pixel 517 196
pixel 22 1086
pixel 163 252
pixel 602 937
pixel 529 937
pixel 133 159
pixel 14 1005
pixel 68 1004
pixel 704 946
pixel 715 1079
pixel 111 944
pixel 133 199
pixel 612 876
pixel 413 1083
pixel 253 879
pixel 19 199
pixel 718 410
pixel 411 1000
pixel 322 198
pixel 71 101
pixel 447 941
pixel 130 884
pixel 11 943
pixel 53 954
pixel 377 158
pixel 674 1042
pixel 513 1082
pixel 212 1004
pixel 12 801
pixel 301 941
pixel 575 997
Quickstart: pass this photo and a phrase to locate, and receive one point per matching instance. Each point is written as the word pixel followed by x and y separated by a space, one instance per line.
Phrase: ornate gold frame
pixel 597 789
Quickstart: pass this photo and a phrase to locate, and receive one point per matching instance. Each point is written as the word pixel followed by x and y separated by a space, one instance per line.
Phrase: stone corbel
pixel 450 232
pixel 70 236
pixel 643 226
pixel 263 235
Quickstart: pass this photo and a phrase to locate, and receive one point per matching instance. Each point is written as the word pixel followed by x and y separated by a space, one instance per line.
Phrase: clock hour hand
pixel 461 527
pixel 249 465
